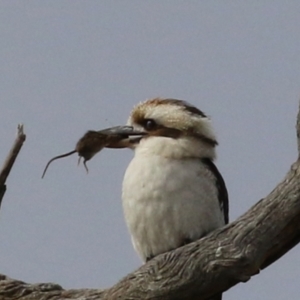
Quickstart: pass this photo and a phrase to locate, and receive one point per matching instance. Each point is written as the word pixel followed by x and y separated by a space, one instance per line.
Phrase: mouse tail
pixel 57 157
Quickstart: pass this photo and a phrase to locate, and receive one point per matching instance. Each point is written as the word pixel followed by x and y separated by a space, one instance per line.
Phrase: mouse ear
pixel 55 158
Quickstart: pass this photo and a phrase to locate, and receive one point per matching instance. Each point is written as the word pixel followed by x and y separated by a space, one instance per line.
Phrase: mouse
pixel 93 142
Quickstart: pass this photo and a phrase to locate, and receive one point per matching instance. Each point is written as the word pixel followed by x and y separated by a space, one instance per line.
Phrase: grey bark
pixel 10 160
pixel 206 267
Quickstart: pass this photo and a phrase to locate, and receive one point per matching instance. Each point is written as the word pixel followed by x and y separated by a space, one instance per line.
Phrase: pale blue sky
pixel 70 66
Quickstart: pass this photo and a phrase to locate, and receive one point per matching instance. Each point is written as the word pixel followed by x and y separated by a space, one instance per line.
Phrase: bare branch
pixel 12 155
pixel 206 267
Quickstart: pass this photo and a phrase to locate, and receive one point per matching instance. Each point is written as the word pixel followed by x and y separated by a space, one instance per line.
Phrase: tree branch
pixel 9 162
pixel 206 267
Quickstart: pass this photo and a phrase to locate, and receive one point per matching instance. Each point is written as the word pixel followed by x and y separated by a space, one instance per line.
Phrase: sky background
pixel 70 66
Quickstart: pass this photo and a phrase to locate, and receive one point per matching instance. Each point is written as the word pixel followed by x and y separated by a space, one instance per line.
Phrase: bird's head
pixel 171 128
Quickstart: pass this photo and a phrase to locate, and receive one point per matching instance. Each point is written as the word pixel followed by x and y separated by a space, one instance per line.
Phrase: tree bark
pixel 211 265
pixel 9 162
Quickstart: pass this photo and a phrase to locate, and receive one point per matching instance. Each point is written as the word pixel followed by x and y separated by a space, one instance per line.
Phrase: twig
pixel 10 159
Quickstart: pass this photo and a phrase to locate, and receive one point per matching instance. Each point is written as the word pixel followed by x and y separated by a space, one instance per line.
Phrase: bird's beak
pixel 122 136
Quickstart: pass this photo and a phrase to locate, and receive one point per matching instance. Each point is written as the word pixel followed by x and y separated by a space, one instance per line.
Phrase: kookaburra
pixel 173 193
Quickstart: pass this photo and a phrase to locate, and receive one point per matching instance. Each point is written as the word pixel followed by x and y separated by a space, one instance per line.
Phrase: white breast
pixel 167 201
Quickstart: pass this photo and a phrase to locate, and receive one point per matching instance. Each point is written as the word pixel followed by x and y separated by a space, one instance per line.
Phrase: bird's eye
pixel 150 124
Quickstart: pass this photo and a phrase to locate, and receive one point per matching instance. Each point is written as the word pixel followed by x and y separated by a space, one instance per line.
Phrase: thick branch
pixel 298 131
pixel 206 267
pixel 10 159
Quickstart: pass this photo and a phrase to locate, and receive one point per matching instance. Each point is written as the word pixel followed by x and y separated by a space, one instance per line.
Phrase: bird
pixel 172 191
